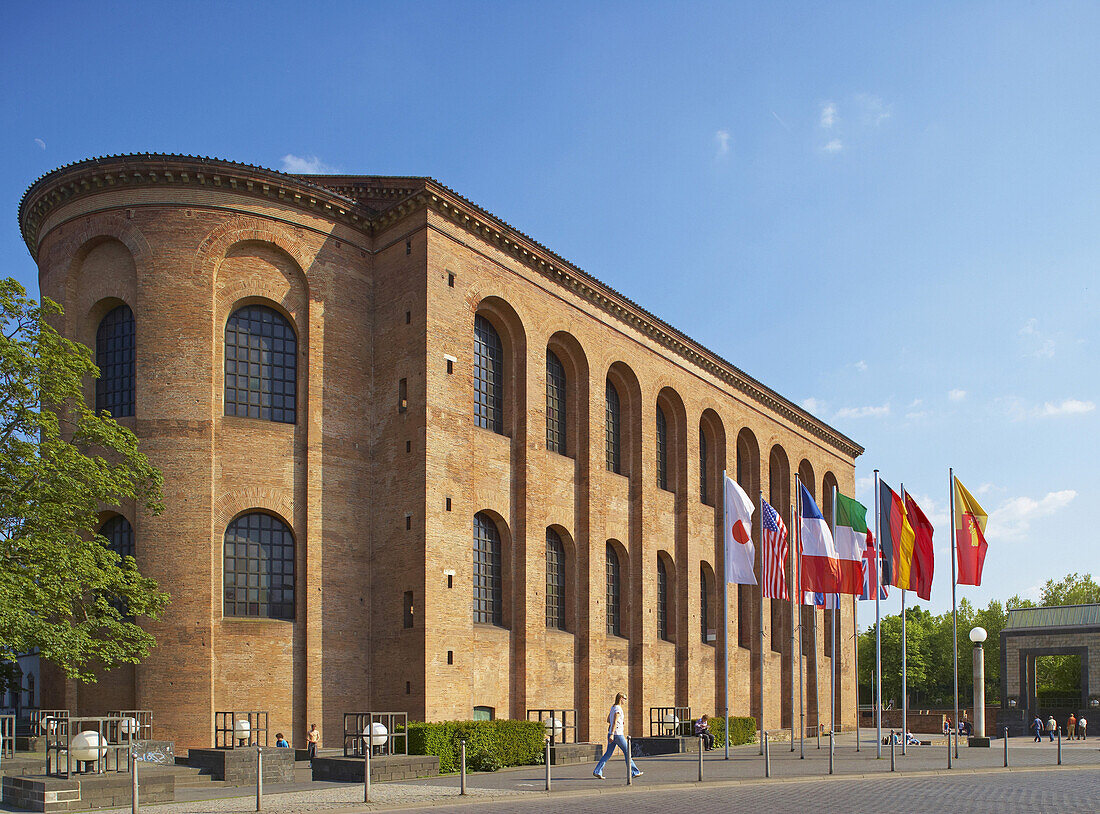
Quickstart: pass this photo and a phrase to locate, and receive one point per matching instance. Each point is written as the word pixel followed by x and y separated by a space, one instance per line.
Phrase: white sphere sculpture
pixel 129 726
pixel 241 729
pixel 670 721
pixel 89 746
pixel 554 729
pixel 377 733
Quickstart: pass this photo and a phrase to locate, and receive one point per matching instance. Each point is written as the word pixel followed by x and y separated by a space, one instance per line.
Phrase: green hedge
pixel 742 730
pixel 489 744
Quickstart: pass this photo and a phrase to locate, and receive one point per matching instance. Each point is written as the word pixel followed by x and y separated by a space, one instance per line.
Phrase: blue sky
pixel 887 212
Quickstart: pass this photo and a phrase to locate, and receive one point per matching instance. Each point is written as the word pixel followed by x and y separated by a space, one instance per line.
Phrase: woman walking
pixel 616 736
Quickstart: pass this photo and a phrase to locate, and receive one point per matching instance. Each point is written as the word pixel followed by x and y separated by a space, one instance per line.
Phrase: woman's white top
pixel 615 720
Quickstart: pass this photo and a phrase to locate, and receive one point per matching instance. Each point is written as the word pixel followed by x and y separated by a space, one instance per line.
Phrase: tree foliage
pixel 929 665
pixel 62 589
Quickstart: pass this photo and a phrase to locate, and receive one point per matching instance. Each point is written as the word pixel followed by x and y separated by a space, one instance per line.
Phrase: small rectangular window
pixel 408 247
pixel 450 363
pixel 450 580
pixel 450 279
pixel 448 504
pixel 408 522
pixel 408 688
pixel 408 609
pixel 408 446
pixel 403 395
pixel 450 657
pixel 408 317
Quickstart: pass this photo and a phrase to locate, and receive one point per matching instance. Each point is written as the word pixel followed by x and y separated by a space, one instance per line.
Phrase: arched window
pixel 555 403
pixel 704 603
pixel 119 534
pixel 555 581
pixel 702 465
pixel 259 567
pixel 261 365
pixel 488 376
pixel 614 446
pixel 662 600
pixel 614 626
pixel 662 449
pixel 488 585
pixel 114 356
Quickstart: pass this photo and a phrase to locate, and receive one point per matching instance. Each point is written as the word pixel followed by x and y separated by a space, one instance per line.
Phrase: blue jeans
pixel 619 741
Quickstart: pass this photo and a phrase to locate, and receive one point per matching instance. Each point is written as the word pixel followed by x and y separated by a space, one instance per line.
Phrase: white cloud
pixel 722 137
pixel 863 412
pixel 1036 343
pixel 865 487
pixel 873 111
pixel 1012 520
pixel 786 126
pixel 40 143
pixel 828 115
pixel 861 366
pixel 1067 407
pixel 305 165
pixel 834 146
pixel 815 406
pixel 956 395
pixel 914 412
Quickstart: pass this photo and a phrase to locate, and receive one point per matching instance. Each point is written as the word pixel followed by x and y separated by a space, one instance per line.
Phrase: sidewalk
pixel 745 766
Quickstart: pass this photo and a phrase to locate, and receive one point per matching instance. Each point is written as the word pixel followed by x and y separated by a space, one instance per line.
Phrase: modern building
pixel 414 460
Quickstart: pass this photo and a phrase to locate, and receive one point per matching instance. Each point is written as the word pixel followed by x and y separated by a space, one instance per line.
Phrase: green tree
pixel 62 590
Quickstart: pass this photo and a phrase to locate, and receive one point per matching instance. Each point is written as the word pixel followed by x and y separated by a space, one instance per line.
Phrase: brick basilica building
pixel 414 460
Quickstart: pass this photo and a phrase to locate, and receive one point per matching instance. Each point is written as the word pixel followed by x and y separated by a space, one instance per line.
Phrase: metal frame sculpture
pixel 556 721
pixel 356 724
pixel 227 733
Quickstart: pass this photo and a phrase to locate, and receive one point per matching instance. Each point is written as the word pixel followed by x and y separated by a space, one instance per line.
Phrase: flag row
pixel 842 559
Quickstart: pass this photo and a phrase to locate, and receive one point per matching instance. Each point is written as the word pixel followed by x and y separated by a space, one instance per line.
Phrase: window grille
pixel 259 567
pixel 614 627
pixel 555 581
pixel 114 356
pixel 555 403
pixel 614 456
pixel 488 376
pixel 488 587
pixel 261 365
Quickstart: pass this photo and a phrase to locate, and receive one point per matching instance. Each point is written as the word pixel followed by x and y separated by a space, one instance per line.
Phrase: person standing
pixel 1051 726
pixel 313 737
pixel 1081 724
pixel 1037 728
pixel 1071 727
pixel 616 737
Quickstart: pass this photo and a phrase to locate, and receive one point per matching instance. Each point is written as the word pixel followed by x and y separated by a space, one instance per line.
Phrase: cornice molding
pixel 341 203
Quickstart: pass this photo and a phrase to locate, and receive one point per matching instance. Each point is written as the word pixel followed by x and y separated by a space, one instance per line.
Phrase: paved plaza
pixel 922 783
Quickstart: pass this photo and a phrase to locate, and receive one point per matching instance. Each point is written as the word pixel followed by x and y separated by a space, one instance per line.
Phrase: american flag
pixel 773 536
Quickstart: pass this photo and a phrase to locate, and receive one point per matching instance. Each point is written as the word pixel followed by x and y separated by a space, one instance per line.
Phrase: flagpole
pixel 878 630
pixel 832 641
pixel 725 623
pixel 761 606
pixel 954 611
pixel 904 653
pixel 792 581
pixel 817 686
pixel 801 671
pixel 855 639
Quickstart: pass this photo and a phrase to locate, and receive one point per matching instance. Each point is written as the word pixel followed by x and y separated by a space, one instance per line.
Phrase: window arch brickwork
pixel 613 430
pixel 662 600
pixel 555 581
pixel 114 356
pixel 488 376
pixel 119 534
pixel 662 449
pixel 259 567
pixel 261 365
pixel 614 593
pixel 488 580
pixel 555 404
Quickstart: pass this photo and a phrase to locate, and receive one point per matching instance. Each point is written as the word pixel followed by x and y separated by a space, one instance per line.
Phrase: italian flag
pixel 850 539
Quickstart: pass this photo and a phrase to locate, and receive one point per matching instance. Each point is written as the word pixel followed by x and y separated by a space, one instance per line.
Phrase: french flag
pixel 820 561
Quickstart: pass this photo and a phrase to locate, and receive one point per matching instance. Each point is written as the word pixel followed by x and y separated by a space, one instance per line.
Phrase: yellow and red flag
pixel 970 544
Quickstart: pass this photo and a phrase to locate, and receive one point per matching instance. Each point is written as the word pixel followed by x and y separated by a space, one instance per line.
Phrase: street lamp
pixel 978 635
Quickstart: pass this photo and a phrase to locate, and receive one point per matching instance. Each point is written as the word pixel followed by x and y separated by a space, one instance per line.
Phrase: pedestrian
pixel 702 730
pixel 1037 728
pixel 616 736
pixel 1051 726
pixel 280 741
pixel 1071 727
pixel 947 725
pixel 1081 724
pixel 313 737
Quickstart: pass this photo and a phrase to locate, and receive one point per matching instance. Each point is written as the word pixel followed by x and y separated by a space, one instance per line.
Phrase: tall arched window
pixel 488 376
pixel 555 581
pixel 261 365
pixel 662 600
pixel 702 464
pixel 614 593
pixel 488 584
pixel 704 603
pixel 119 534
pixel 662 449
pixel 555 403
pixel 613 424
pixel 259 567
pixel 114 356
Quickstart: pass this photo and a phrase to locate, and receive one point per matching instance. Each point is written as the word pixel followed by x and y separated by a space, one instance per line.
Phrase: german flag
pixel 897 539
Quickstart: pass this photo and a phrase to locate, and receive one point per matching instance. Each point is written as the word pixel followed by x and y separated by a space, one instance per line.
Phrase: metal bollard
pixel 1059 746
pixel 817 731
pixel 366 769
pixel 1006 747
pixel 831 751
pixel 629 760
pixel 767 757
pixel 135 805
pixel 462 767
pixel 259 778
pixel 892 751
pixel 700 758
pixel 548 765
pixel 949 748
